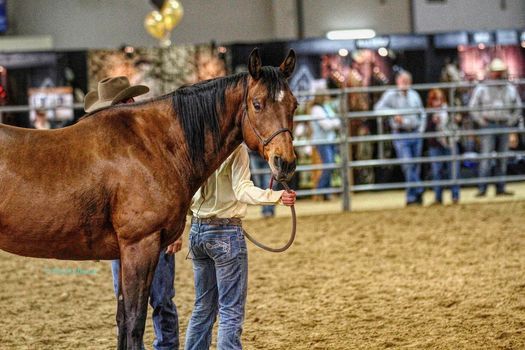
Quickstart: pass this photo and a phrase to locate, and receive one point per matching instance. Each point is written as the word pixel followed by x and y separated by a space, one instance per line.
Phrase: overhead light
pixel 523 44
pixel 343 52
pixel 351 34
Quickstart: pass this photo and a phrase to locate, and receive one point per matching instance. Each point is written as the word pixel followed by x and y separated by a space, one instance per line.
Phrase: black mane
pixel 199 105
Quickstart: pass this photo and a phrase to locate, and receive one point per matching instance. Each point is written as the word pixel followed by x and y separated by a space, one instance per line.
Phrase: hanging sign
pixel 3 16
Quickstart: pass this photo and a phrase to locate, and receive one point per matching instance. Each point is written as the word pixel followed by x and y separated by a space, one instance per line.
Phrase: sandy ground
pixel 448 277
pixel 381 200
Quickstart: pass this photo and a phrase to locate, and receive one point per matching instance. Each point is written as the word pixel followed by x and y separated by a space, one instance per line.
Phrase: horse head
pixel 267 122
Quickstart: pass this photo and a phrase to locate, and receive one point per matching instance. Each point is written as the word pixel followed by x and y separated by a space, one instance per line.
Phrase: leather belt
pixel 217 221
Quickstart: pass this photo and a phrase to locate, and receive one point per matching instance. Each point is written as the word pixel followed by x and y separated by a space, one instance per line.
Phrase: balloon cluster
pixel 160 23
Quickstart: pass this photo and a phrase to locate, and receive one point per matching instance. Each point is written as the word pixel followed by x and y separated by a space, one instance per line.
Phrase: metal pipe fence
pixel 344 141
pixel 347 165
pixel 17 109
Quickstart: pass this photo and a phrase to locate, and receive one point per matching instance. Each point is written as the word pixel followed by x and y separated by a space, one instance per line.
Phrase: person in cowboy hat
pixel 487 96
pixel 114 91
pixel 111 91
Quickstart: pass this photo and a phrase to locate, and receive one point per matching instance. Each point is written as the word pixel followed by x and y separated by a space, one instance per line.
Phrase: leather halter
pixel 264 143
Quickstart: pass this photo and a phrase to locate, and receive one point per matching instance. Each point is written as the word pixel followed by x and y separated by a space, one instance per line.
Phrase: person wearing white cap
pixel 113 91
pixel 488 96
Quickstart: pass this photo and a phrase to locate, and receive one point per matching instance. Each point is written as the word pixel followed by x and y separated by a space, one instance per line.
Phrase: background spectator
pixel 488 96
pixel 405 98
pixel 441 146
pixel 324 128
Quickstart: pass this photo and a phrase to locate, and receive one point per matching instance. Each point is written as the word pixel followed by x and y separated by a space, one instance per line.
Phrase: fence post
pixel 344 150
pixel 454 152
pixel 380 144
pixel 451 99
pixel 454 173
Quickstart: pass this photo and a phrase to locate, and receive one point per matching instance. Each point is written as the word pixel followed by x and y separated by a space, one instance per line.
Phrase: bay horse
pixel 118 184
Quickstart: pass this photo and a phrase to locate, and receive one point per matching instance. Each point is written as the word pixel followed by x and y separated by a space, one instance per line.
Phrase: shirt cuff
pixel 277 195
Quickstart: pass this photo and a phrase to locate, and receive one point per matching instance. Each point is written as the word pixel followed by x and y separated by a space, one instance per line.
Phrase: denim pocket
pixel 219 248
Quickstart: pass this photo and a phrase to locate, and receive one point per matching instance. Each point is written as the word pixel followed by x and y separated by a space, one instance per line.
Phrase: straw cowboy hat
pixel 111 91
pixel 497 65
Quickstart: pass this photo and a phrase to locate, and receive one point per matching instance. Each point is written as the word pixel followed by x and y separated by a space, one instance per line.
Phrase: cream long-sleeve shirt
pixel 229 190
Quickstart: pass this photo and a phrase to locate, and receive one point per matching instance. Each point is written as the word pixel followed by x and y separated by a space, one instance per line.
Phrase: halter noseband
pixel 264 141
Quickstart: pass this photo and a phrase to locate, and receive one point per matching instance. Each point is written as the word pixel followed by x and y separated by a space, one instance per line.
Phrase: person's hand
pixel 436 120
pixel 288 198
pixel 174 247
pixel 398 119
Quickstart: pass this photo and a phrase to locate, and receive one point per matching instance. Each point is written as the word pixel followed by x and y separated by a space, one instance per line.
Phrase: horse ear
pixel 254 64
pixel 288 64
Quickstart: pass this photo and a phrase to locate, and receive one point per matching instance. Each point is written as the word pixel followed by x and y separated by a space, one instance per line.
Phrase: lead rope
pixel 294 226
pixel 284 184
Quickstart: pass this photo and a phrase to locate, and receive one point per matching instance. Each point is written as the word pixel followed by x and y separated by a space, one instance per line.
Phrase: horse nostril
pixel 278 162
pixel 292 166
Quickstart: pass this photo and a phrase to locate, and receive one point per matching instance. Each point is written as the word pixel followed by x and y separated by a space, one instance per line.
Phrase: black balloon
pixel 157 3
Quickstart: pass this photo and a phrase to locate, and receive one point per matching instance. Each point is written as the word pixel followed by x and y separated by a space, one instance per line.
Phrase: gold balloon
pixel 154 24
pixel 172 12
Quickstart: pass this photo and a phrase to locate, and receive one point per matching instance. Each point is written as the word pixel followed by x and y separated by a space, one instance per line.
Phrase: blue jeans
pixel 165 318
pixel 220 268
pixel 262 180
pixel 443 171
pixel 327 154
pixel 408 149
pixel 488 145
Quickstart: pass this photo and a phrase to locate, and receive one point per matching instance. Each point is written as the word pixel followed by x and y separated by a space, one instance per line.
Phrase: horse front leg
pixel 138 261
pixel 121 315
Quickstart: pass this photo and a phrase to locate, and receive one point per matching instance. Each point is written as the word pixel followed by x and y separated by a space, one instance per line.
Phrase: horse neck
pixel 230 135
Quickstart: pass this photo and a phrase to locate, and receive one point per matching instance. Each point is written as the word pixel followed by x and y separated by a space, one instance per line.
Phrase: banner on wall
pixel 59 99
pixel 450 40
pixel 507 37
pixel 3 16
pixel 486 38
pixel 373 43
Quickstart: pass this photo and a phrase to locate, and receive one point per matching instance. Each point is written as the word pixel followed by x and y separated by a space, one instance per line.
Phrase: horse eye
pixel 257 105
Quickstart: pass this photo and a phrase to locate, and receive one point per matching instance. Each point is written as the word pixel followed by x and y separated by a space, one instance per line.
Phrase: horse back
pixel 66 187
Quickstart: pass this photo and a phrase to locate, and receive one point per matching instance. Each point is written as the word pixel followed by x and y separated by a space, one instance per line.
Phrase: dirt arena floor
pixel 448 277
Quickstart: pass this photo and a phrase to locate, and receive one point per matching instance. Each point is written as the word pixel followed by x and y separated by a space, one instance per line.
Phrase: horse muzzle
pixel 282 170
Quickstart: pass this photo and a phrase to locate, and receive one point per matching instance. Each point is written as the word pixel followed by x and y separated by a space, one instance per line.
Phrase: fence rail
pixel 417 87
pixel 18 109
pixel 345 141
